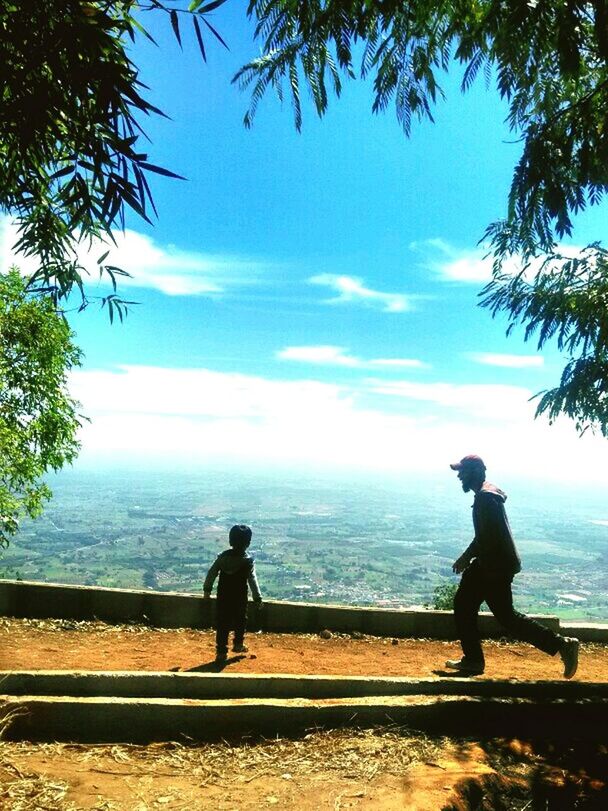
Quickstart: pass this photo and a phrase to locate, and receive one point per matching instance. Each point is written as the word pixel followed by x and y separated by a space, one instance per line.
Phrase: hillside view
pixel 344 540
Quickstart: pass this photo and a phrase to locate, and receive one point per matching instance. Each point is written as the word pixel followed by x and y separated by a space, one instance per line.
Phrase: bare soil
pixel 66 645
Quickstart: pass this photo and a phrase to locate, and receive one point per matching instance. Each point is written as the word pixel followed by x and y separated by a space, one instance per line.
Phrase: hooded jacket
pixel 236 569
pixel 493 545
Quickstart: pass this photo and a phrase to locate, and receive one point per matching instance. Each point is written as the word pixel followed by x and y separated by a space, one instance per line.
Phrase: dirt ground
pixel 364 770
pixel 66 645
pixel 380 770
pixel 340 770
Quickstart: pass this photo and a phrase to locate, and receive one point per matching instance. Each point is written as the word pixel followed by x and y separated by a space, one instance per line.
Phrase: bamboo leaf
pixel 175 25
pixel 199 38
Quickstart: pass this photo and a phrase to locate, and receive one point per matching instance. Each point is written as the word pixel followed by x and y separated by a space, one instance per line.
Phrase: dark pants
pixel 477 586
pixel 230 618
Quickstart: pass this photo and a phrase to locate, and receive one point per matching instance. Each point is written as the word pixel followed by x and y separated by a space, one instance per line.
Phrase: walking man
pixel 488 566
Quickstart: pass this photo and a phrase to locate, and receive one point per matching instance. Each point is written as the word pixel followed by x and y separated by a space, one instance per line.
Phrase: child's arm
pixel 254 586
pixel 213 572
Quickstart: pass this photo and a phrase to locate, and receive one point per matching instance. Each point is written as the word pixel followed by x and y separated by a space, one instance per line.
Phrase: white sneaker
pixel 569 655
pixel 465 667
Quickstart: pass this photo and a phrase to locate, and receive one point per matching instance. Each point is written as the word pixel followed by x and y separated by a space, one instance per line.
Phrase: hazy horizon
pixel 318 536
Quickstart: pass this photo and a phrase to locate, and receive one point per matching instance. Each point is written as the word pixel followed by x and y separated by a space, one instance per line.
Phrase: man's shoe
pixel 569 656
pixel 465 667
pixel 240 648
pixel 220 657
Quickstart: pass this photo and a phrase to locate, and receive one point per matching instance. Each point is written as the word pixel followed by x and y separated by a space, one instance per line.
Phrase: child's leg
pixel 239 629
pixel 221 640
pixel 222 629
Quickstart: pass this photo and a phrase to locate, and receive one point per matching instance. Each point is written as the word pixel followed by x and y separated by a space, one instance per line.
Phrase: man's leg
pixel 467 601
pixel 499 598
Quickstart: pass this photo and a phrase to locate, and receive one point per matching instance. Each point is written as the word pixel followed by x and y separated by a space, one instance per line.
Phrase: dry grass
pixel 27 791
pixel 359 754
pixel 30 792
pixel 9 624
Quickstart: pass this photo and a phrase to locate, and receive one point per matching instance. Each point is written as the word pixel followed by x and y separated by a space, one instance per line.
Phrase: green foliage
pixel 70 153
pixel 548 59
pixel 550 63
pixel 38 419
pixel 566 300
pixel 443 596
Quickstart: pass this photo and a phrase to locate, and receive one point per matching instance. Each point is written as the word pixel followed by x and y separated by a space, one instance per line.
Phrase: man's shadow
pixel 454 674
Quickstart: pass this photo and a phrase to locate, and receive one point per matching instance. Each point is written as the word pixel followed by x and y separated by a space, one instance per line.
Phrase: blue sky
pixel 311 298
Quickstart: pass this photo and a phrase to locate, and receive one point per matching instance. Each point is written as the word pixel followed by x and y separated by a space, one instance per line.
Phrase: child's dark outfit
pixel 236 569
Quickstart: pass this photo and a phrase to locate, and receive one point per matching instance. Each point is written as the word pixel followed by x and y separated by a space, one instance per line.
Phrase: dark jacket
pixel 493 545
pixel 236 570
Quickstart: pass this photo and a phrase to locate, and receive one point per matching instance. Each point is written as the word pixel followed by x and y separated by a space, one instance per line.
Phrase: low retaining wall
pixel 134 720
pixel 213 687
pixel 175 610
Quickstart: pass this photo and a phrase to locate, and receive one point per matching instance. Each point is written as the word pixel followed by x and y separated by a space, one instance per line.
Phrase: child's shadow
pixel 214 666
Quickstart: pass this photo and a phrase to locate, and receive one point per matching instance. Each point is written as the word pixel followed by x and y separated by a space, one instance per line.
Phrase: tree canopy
pixel 549 62
pixel 71 153
pixel 38 418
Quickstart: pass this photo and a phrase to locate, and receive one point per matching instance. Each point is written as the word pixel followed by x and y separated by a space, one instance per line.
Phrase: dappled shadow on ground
pixel 535 775
pixel 564 775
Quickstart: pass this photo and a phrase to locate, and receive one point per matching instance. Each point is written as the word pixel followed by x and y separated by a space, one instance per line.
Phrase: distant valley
pixel 319 539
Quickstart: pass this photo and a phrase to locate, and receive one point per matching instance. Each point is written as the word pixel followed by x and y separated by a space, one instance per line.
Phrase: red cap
pixel 472 460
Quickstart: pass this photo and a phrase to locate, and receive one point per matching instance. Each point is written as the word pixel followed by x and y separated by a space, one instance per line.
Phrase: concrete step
pixel 214 686
pixel 136 720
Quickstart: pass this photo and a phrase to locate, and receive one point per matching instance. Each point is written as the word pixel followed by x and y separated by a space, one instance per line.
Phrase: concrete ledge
pixel 586 632
pixel 175 610
pixel 57 601
pixel 128 720
pixel 210 686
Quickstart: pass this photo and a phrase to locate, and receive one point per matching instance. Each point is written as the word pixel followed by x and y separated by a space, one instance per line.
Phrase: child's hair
pixel 239 537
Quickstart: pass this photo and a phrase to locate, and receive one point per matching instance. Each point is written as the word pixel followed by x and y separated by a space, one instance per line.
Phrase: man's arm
pixel 213 572
pixel 461 563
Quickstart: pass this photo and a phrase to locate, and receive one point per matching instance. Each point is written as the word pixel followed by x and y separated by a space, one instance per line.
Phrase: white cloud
pixel 325 355
pixel 473 400
pixel 452 264
pixel 508 361
pixel 198 393
pixel 8 237
pixel 161 267
pixel 191 416
pixel 338 356
pixel 171 270
pixel 398 363
pixel 177 272
pixel 352 291
pixel 474 265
